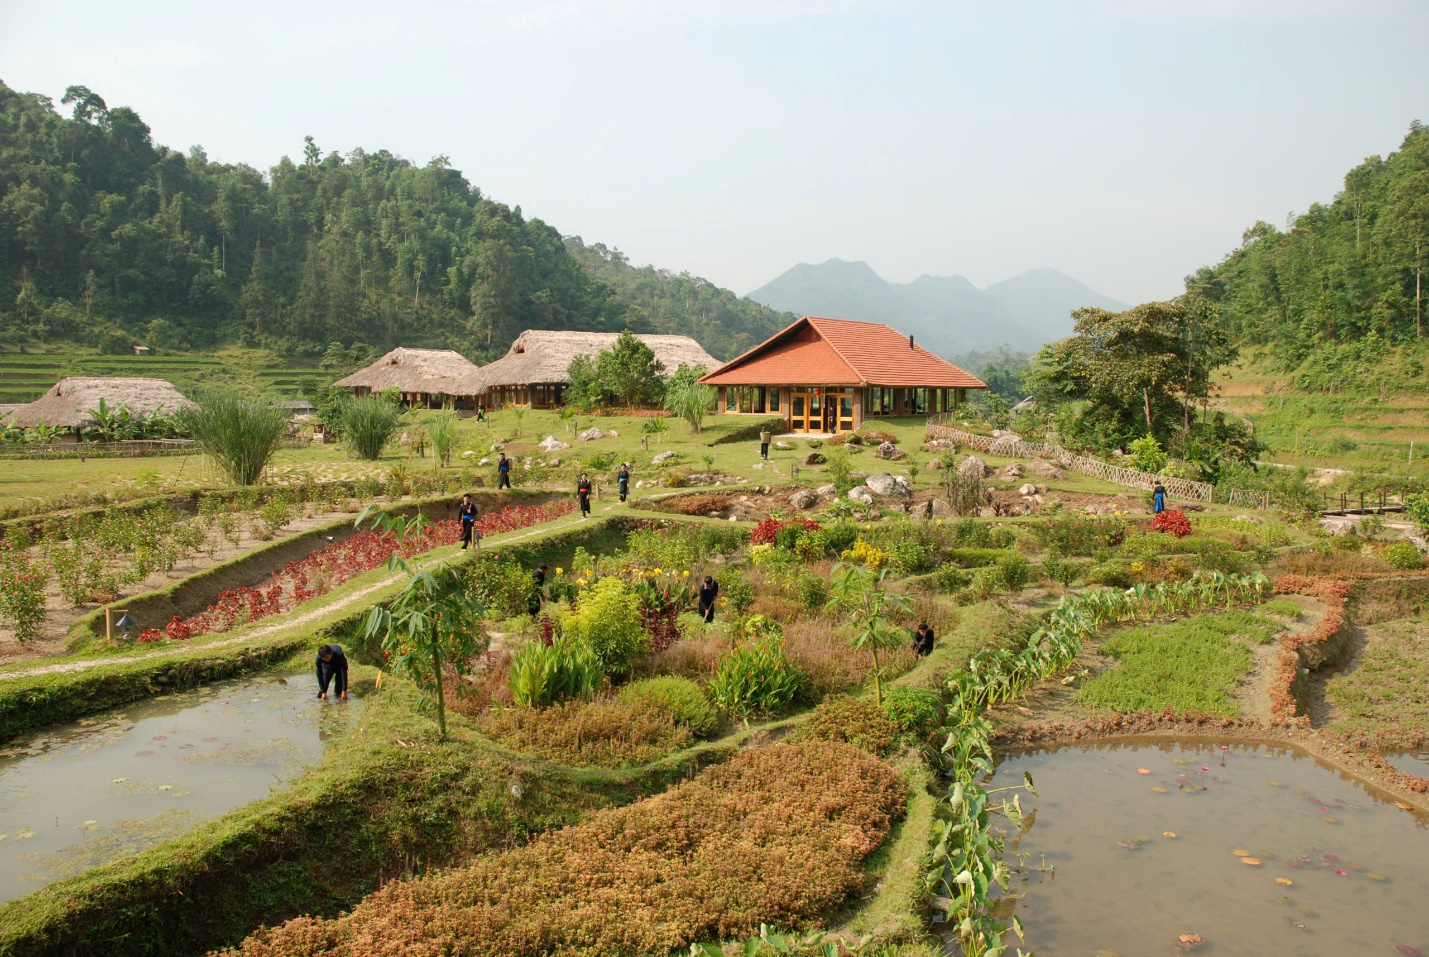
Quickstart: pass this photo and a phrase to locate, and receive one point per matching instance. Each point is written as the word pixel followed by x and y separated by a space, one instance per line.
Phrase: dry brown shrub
pixel 701 504
pixel 819 648
pixel 776 835
pixel 1328 564
pixel 693 658
pixel 605 731
pixel 777 607
pixel 484 686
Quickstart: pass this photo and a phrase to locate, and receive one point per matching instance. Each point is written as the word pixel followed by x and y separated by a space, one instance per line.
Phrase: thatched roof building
pixel 533 371
pixel 428 377
pixel 68 403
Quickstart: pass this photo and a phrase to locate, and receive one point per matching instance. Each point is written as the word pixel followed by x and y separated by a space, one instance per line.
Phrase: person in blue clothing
pixel 332 669
pixel 1158 498
pixel 466 512
pixel 503 472
pixel 622 478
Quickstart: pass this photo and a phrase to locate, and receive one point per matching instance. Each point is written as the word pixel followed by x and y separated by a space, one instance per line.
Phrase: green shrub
pixel 1403 556
pixel 970 533
pixel 735 591
pixel 1013 572
pixel 909 557
pixel 916 711
pixel 976 557
pixel 750 432
pixel 607 620
pixel 542 675
pixel 755 678
pixel 367 423
pixel 1114 573
pixel 950 578
pixel 683 698
pixel 1060 570
pixel 812 592
pixel 829 541
pixel 501 586
pixel 1080 534
pixel 853 720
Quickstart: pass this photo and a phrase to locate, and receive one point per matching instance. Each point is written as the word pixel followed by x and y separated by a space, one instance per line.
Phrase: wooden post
pixel 109 624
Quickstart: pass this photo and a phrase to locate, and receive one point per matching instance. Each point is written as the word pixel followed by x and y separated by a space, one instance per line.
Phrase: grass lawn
pixel 1390 688
pixel 1189 665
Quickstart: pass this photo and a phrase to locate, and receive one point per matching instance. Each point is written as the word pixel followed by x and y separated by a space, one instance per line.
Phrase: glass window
pixel 773 398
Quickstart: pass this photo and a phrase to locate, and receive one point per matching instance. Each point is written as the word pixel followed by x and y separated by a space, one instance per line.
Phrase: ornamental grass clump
pixel 238 433
pixel 542 675
pixel 681 697
pixel 367 424
pixel 775 835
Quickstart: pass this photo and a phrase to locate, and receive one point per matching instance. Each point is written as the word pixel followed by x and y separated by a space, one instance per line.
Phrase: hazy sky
pixel 1125 143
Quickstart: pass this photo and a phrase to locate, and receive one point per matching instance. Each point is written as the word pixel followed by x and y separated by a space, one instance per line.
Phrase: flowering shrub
pixel 755 677
pixel 607 620
pixel 22 591
pixel 1173 520
pixel 870 557
pixel 767 531
pixel 781 834
pixel 607 732
pixel 1403 556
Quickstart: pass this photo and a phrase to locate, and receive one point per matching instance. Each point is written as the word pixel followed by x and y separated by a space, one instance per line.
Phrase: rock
pixel 902 481
pixel 1010 472
pixel 1248 518
pixel 757 465
pixel 1192 507
pixel 1041 489
pixel 467 454
pixel 1043 467
pixel 612 434
pixel 783 446
pixel 590 435
pixel 941 508
pixel 484 461
pixel 827 491
pixel 662 458
pixel 803 499
pixel 987 511
pixel 495 447
pixel 884 485
pixel 551 444
pixel 887 450
pixel 640 483
pixel 923 511
pixel 936 464
pixel 973 467
pixel 554 464
pixel 860 494
pixel 939 445
pixel 1337 526
pixel 999 433
pixel 1027 490
pixel 813 458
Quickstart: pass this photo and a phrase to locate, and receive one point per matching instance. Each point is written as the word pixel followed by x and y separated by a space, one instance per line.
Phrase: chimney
pixel 910 340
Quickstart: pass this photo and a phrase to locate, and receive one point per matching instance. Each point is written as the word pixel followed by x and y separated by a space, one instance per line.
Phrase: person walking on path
pixel 503 472
pixel 332 669
pixel 466 514
pixel 583 493
pixel 538 591
pixel 622 478
pixel 923 641
pixel 764 443
pixel 481 413
pixel 709 591
pixel 1158 498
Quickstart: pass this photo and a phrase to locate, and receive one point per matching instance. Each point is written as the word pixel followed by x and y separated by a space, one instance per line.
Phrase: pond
pixel 83 794
pixel 1251 849
pixel 1410 762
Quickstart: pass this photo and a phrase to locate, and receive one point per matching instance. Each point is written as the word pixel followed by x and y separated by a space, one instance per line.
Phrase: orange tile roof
pixel 845 353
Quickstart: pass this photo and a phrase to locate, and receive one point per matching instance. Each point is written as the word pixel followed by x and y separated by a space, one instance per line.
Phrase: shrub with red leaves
pixel 1172 520
pixel 767 531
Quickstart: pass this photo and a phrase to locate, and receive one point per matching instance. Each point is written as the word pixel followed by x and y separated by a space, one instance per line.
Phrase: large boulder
pixel 590 435
pixel 813 458
pixel 552 444
pixel 941 509
pixel 1049 469
pixel 662 458
pixel 939 445
pixel 887 450
pixel 861 495
pixel 827 491
pixel 973 467
pixel 804 499
pixel 1027 490
pixel 1005 444
pixel 883 484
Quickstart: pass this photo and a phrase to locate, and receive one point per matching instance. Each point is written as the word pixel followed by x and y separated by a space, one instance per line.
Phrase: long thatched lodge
pixel 830 375
pixel 428 378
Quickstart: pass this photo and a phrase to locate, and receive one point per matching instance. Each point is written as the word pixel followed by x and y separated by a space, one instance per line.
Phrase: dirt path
pixel 346 601
pixel 1253 693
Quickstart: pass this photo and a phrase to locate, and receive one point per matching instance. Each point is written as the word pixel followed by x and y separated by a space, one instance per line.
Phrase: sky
pixel 1123 143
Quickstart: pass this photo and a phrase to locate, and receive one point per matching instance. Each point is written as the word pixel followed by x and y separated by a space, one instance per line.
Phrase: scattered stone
pixel 860 494
pixel 1013 471
pixel 495 447
pixel 484 461
pixel 1028 490
pixel 973 467
pixel 612 434
pixel 1248 518
pixel 640 483
pixel 941 509
pixel 1337 526
pixel 923 511
pixel 1192 507
pixel 813 458
pixel 804 499
pixel 1049 469
pixel 936 464
pixel 827 491
pixel 757 465
pixel 554 464
pixel 662 458
pixel 889 451
pixel 552 444
pixel 783 446
pixel 939 445
pixel 590 435
pixel 884 485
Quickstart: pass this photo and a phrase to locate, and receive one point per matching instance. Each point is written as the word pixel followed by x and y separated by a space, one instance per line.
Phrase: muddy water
pixel 1272 853
pixel 1410 762
pixel 87 793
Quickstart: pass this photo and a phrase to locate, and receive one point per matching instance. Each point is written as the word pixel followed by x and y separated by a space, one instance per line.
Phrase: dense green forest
pixel 1332 295
pixel 108 239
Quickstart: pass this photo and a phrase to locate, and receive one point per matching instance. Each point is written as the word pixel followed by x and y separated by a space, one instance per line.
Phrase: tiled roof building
pixel 828 375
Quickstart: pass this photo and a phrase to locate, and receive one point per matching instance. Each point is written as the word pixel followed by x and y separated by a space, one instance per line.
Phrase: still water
pixel 83 794
pixel 1255 850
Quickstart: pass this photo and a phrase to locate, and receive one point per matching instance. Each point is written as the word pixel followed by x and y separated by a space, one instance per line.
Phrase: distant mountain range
pixel 947 314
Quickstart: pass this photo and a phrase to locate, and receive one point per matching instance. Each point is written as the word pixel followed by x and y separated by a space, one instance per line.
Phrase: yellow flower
pixel 686 573
pixel 655 572
pixel 940 521
pixel 560 570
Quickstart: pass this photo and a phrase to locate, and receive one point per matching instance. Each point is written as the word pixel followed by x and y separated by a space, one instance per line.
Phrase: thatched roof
pixel 541 358
pixel 67 404
pixel 433 371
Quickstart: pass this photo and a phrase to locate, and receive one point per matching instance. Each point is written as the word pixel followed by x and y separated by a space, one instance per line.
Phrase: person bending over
pixel 709 591
pixel 332 669
pixel 923 641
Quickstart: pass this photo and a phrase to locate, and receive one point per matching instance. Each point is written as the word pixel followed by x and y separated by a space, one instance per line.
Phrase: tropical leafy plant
pixel 542 675
pixel 367 423
pixel 861 595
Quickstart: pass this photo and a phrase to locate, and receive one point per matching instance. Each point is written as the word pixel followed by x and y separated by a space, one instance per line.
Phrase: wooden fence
pixel 1116 474
pixel 121 449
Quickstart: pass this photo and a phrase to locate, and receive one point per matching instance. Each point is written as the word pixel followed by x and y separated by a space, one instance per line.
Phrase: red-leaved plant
pixel 1172 520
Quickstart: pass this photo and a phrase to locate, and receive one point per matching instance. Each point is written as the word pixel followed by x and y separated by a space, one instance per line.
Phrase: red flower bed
pixel 767 531
pixel 339 562
pixel 1172 520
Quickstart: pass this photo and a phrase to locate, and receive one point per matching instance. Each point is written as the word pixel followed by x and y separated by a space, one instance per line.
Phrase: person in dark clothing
pixel 466 514
pixel 332 668
pixel 540 576
pixel 1158 498
pixel 764 437
pixel 923 641
pixel 503 472
pixel 538 591
pixel 709 591
pixel 622 478
pixel 583 493
pixel 481 413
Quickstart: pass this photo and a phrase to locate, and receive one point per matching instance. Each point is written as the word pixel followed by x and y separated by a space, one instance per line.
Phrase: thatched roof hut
pixel 533 371
pixel 68 403
pixel 420 375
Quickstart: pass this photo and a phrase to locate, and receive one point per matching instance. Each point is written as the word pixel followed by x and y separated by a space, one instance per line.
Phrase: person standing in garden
pixel 709 591
pixel 538 591
pixel 480 413
pixel 1158 498
pixel 622 478
pixel 503 472
pixel 583 493
pixel 332 669
pixel 923 641
pixel 466 514
pixel 764 443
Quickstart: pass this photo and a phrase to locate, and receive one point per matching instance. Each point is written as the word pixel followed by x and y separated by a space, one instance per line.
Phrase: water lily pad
pixel 183 793
pixel 143 754
pixel 1376 876
pixel 166 787
pixel 1143 770
pixel 1408 951
pixel 1330 819
pixel 1283 899
pixel 1284 880
pixel 1170 834
pixel 1239 852
pixel 1253 862
pixel 119 780
pixel 1332 857
pixel 1159 789
pixel 1276 784
pixel 1105 953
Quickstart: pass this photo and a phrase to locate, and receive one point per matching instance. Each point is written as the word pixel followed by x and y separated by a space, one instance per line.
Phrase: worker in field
pixel 503 472
pixel 764 438
pixel 466 514
pixel 538 591
pixel 622 478
pixel 709 591
pixel 1158 498
pixel 583 490
pixel 923 641
pixel 332 670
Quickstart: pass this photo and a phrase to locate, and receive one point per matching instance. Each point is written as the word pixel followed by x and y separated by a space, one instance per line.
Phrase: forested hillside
pixel 108 239
pixel 724 323
pixel 1329 297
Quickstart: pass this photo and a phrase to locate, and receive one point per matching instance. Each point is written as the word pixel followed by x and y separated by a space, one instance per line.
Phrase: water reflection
pixel 90 792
